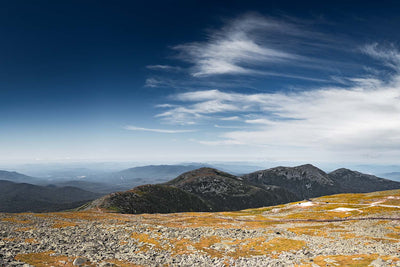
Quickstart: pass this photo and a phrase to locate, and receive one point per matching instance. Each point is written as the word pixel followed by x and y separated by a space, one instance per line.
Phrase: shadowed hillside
pixel 21 197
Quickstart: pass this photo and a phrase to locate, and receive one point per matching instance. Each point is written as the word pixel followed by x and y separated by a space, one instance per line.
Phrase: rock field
pixel 338 230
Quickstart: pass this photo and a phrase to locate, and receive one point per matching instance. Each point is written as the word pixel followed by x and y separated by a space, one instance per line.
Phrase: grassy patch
pixel 16 220
pixel 62 224
pixel 45 259
pixel 349 260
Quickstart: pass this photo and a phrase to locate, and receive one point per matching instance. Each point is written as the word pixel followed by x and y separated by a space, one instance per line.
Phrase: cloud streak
pixel 234 49
pixel 134 128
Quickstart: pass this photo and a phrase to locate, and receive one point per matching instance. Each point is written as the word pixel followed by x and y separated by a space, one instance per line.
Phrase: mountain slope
pixel 203 189
pixel 21 197
pixel 150 199
pixel 224 191
pixel 357 182
pixel 304 181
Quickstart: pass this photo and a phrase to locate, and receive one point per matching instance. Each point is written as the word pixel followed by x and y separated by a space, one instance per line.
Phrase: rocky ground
pixel 339 230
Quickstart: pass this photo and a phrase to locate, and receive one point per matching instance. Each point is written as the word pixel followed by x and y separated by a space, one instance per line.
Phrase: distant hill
pixel 357 182
pixel 22 197
pixel 204 189
pixel 18 177
pixel 392 175
pixel 304 181
pixel 308 181
pixel 150 174
pixel 96 187
pixel 224 191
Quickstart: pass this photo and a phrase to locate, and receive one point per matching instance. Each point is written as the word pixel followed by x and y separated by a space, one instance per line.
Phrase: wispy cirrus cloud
pixel 235 48
pixel 255 46
pixel 134 128
pixel 388 55
pixel 164 67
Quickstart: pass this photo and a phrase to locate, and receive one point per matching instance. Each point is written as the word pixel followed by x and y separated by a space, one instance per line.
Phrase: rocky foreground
pixel 338 230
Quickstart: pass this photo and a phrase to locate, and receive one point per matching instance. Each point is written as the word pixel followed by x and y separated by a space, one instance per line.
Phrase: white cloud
pixel 259 121
pixel 235 48
pixel 153 82
pixel 362 119
pixel 231 118
pixel 228 126
pixel 389 55
pixel 163 67
pixel 219 142
pixel 134 128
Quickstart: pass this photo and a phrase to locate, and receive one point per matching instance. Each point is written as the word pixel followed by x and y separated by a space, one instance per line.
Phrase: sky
pixel 164 81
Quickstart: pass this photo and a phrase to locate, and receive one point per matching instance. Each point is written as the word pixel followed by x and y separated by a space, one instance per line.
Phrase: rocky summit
pixel 308 181
pixel 208 189
pixel 204 189
pixel 337 230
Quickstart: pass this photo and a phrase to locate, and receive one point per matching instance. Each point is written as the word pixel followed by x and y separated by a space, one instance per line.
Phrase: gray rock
pixel 79 261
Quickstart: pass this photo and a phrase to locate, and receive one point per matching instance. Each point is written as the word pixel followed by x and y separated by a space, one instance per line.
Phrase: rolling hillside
pixel 337 230
pixel 22 197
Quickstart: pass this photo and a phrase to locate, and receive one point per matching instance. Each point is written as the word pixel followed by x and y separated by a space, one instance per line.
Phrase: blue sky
pixel 163 81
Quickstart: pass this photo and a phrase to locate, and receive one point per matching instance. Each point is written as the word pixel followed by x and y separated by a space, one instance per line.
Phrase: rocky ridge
pixel 308 181
pixel 208 189
pixel 204 189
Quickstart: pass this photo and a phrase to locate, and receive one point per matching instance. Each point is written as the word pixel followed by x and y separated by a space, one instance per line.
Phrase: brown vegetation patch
pixel 313 230
pixel 350 260
pixel 62 224
pixel 45 259
pixel 7 239
pixel 16 220
pixel 148 240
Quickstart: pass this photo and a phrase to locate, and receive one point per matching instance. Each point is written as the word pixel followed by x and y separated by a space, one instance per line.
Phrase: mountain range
pixel 208 189
pixel 197 189
pixel 19 177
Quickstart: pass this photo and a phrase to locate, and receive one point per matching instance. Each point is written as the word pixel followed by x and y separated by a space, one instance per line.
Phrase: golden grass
pixel 44 259
pixel 393 235
pixel 349 260
pixel 205 244
pixel 16 220
pixel 313 230
pixel 62 224
pixel 149 241
pixel 7 239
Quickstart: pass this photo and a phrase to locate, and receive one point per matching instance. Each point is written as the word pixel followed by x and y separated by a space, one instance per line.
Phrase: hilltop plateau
pixel 337 230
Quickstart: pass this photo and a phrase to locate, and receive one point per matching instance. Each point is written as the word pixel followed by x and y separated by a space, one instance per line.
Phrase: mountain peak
pixel 343 171
pixel 204 172
pixel 304 180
